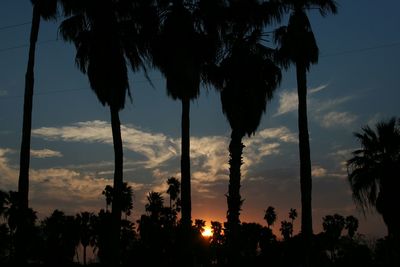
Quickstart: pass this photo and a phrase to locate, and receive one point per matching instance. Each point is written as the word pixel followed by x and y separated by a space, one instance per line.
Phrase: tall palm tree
pixel 98 30
pixel 373 172
pixel 297 45
pixel 247 78
pixel 45 9
pixel 180 52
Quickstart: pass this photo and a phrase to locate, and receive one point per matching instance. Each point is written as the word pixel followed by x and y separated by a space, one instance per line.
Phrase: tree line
pixel 216 43
pixel 155 238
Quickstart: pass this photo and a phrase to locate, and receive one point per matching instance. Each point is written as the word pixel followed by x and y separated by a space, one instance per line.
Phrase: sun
pixel 206 232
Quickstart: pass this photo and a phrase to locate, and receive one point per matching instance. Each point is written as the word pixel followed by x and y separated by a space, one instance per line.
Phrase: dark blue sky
pixel 355 83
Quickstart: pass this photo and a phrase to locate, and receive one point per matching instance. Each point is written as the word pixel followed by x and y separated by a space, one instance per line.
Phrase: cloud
pixel 45 153
pixel 321 106
pixel 209 154
pixel 288 100
pixel 317 89
pixel 334 118
pixel 63 188
pixel 318 171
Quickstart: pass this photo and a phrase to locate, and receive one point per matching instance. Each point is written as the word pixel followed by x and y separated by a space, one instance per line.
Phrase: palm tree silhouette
pixel 174 188
pixel 155 205
pixel 246 79
pixel 270 216
pixel 98 30
pixel 373 172
pixel 84 221
pixel 45 9
pixel 297 45
pixel 108 193
pixel 180 51
pixel 351 225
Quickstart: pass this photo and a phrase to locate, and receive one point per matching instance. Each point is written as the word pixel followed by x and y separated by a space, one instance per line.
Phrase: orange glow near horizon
pixel 207 232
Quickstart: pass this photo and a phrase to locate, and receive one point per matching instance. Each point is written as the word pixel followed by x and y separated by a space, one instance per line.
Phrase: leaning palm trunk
pixel 23 181
pixel 234 198
pixel 305 162
pixel 118 181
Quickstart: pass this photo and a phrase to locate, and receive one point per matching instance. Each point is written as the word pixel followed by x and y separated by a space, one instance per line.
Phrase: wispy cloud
pixel 318 171
pixel 334 118
pixel 288 99
pixel 209 154
pixel 57 187
pixel 45 153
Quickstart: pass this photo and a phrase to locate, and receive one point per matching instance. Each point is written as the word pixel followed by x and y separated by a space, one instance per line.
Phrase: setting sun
pixel 207 232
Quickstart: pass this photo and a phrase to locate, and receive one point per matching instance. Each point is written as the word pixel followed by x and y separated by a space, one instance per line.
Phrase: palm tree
pixel 98 30
pixel 45 9
pixel 286 230
pixel 270 216
pixel 174 188
pixel 199 225
pixel 373 172
pixel 108 193
pixel 86 232
pixel 180 51
pixel 246 79
pixel 155 205
pixel 126 199
pixel 293 215
pixel 351 225
pixel 297 45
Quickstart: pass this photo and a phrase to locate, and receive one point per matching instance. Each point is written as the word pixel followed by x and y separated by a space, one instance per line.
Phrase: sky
pixel 355 83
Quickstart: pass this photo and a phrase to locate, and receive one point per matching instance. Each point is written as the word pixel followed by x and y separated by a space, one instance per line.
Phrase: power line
pixel 25 45
pixel 66 90
pixel 353 51
pixel 14 25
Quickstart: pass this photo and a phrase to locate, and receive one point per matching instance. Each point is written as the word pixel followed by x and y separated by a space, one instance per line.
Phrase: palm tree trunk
pixel 305 161
pixel 186 220
pixel 84 255
pixel 185 165
pixel 23 181
pixel 234 199
pixel 118 181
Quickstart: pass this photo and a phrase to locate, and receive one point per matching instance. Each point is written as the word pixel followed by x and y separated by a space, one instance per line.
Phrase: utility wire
pixel 14 25
pixel 26 45
pixel 353 51
pixel 39 93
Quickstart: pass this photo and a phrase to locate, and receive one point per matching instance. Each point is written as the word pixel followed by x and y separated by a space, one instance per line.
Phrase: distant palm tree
pixel 45 9
pixel 108 193
pixel 270 216
pixel 351 225
pixel 293 215
pixel 174 188
pixel 286 230
pixel 126 199
pixel 155 205
pixel 297 45
pixel 199 225
pixel 98 30
pixel 86 230
pixel 373 172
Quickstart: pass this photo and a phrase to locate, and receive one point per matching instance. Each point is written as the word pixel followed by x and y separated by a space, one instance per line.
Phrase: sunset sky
pixel 356 82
